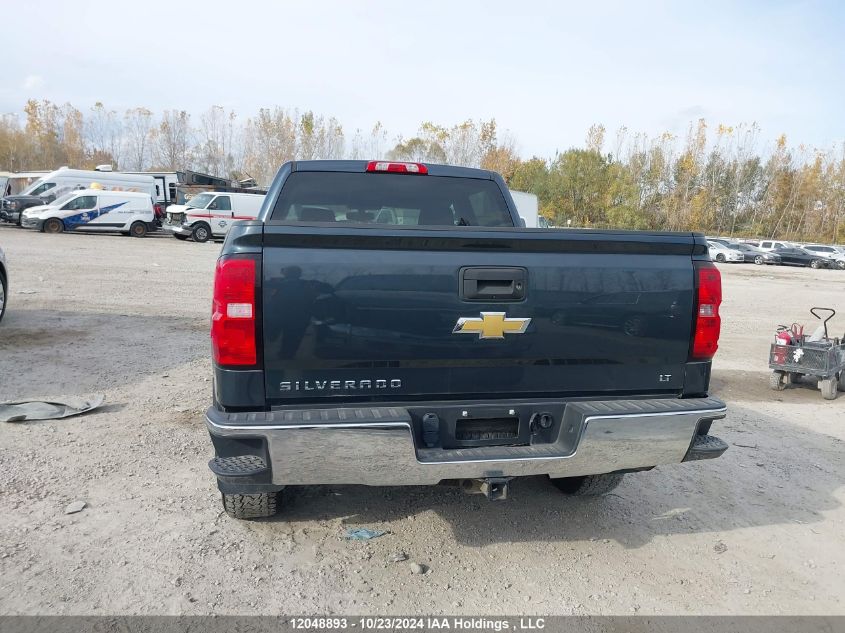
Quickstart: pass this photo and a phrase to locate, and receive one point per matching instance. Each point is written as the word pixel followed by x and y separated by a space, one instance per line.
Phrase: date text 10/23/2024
pixel 430 623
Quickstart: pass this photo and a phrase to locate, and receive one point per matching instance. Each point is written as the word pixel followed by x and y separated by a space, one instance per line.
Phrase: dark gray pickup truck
pixel 393 324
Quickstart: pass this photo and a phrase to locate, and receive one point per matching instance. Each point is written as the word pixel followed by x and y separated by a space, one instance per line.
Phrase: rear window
pixel 391 199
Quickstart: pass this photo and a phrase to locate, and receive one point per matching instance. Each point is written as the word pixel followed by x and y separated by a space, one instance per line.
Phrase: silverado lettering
pixel 311 385
pixel 436 340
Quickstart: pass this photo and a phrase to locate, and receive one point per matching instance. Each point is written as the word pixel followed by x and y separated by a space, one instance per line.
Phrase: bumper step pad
pixel 238 466
pixel 705 447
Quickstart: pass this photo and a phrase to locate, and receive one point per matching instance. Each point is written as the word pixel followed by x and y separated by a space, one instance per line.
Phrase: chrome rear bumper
pixel 378 445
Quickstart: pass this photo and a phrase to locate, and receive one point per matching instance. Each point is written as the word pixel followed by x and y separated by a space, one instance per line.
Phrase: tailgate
pixel 391 314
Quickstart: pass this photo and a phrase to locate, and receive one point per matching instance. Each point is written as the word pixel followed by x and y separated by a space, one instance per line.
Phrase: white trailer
pixel 528 208
pixel 166 184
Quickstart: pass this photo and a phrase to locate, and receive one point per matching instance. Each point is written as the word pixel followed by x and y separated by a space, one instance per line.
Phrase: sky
pixel 545 71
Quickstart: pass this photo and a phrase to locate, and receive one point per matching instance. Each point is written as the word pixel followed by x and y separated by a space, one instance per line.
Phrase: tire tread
pixel 252 506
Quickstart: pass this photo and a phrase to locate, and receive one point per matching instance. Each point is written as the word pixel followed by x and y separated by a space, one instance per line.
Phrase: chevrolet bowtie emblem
pixel 491 325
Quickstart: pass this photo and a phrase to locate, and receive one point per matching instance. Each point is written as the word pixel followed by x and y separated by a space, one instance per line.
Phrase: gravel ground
pixel 758 531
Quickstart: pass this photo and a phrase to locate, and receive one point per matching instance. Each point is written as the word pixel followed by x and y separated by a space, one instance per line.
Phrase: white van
pixel 210 214
pixel 127 212
pixel 58 183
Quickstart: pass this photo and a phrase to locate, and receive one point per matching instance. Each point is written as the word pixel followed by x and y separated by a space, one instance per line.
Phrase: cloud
pixel 33 82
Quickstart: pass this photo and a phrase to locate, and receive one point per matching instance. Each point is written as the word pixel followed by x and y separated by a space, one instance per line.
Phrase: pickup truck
pixel 391 324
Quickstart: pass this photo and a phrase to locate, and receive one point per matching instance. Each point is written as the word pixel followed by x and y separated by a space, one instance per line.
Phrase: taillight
pixel 397 168
pixel 705 340
pixel 233 329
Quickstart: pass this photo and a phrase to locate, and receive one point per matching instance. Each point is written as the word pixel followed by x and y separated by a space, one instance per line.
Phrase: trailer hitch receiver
pixel 494 488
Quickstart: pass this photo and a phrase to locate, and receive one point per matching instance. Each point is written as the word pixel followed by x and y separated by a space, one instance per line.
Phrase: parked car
pixel 95 210
pixel 770 245
pixel 4 283
pixel 720 240
pixel 800 257
pixel 722 253
pixel 208 215
pixel 830 252
pixel 755 255
pixel 355 346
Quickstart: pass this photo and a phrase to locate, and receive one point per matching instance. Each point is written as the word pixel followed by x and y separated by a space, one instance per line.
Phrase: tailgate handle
pixel 493 284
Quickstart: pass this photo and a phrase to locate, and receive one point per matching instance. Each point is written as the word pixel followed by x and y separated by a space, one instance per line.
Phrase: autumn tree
pixel 43 128
pixel 72 137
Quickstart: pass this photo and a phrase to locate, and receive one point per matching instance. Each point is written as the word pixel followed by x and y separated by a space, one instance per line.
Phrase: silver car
pixel 4 283
pixel 722 253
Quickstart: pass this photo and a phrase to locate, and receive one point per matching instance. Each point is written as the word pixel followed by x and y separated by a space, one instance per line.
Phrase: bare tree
pixel 369 146
pixel 219 152
pixel 138 127
pixel 269 141
pixel 103 132
pixel 172 140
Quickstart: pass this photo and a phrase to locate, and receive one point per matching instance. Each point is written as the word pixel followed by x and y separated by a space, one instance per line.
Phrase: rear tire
pixel 254 506
pixel 588 485
pixel 54 225
pixel 720 258
pixel 815 264
pixel 777 380
pixel 759 260
pixel 201 232
pixel 828 387
pixel 138 229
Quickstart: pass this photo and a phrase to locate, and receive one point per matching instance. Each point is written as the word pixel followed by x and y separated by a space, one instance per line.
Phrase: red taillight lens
pixel 397 168
pixel 708 324
pixel 233 313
